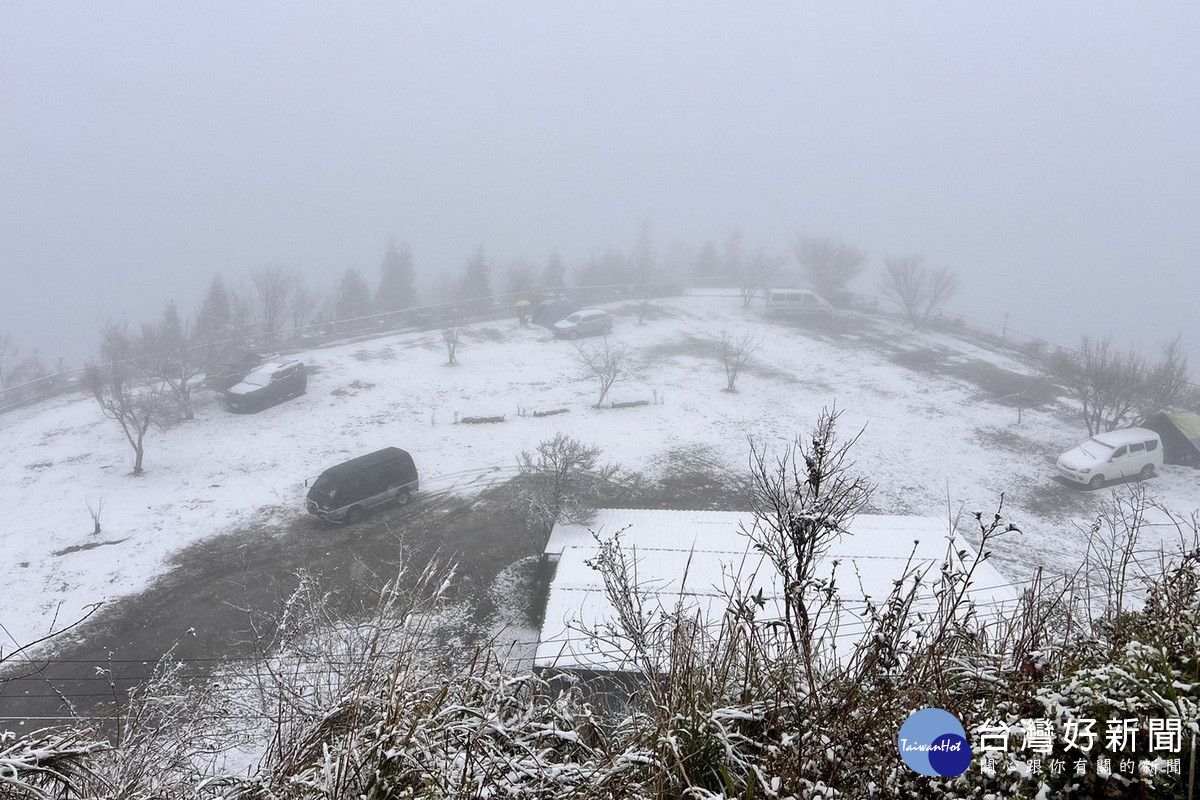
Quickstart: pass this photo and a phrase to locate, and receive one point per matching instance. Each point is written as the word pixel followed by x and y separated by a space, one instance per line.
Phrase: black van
pixel 345 493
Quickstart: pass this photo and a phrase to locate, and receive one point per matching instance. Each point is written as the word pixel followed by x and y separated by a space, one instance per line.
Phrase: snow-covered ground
pixel 933 444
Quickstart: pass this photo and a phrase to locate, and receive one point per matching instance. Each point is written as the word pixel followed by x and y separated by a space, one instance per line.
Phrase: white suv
pixel 1128 453
pixel 584 322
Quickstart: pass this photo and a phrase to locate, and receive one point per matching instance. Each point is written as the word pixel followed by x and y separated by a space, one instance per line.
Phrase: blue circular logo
pixel 934 742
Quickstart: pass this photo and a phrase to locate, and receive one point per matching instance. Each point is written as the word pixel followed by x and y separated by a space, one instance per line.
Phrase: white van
pixel 1128 453
pixel 795 301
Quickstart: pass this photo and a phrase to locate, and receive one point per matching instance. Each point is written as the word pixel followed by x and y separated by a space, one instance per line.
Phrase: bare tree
pixel 304 306
pixel 736 351
pixel 918 291
pixel 95 511
pixel 451 333
pixel 135 409
pixel 169 354
pixel 241 312
pixel 127 392
pixel 754 273
pixel 1167 383
pixel 829 264
pixel 274 288
pixel 561 481
pixel 607 363
pixel 1108 385
pixel 803 501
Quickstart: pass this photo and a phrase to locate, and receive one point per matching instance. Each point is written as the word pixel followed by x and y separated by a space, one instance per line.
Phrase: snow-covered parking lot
pixel 933 440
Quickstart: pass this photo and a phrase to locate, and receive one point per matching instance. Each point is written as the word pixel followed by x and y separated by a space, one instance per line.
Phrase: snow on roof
pixel 692 559
pixel 1187 423
pixel 1125 436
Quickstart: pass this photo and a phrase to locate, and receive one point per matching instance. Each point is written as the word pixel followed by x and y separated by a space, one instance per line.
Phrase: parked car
pixel 346 493
pixel 795 301
pixel 231 370
pixel 584 322
pixel 270 383
pixel 1128 453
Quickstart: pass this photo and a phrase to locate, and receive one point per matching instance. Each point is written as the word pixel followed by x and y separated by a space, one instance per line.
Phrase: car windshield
pixel 323 490
pixel 257 378
pixel 573 318
pixel 1096 448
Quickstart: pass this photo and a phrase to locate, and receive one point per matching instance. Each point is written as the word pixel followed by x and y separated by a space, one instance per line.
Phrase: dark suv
pixel 345 493
pixel 270 383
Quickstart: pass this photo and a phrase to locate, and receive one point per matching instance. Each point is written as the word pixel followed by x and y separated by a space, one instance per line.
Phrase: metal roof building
pixel 691 560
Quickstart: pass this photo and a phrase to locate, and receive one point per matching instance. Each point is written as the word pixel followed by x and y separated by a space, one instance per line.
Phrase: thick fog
pixel 1046 153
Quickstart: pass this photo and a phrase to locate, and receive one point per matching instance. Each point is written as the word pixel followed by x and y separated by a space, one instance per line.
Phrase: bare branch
pixel 736 352
pixel 918 291
pixel 828 263
pixel 608 364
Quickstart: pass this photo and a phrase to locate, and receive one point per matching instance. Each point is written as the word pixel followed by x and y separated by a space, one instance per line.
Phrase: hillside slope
pixel 938 414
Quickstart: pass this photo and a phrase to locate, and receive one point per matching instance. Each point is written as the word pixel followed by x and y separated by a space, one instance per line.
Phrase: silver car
pixel 584 322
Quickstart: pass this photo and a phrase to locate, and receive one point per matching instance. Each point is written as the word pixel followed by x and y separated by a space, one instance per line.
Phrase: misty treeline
pixel 274 304
pixel 790 692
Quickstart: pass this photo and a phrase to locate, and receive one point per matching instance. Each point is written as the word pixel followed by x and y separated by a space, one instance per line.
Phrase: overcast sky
pixel 1049 153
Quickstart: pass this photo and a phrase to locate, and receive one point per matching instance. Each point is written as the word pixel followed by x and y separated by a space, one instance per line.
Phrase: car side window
pixel 1120 453
pixel 1137 447
pixel 1151 445
pixel 393 476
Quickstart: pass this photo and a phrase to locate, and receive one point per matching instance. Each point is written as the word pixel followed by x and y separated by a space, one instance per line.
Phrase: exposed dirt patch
pixel 354 388
pixel 691 477
pixel 692 346
pixel 837 325
pixel 761 369
pixel 78 548
pixel 485 335
pixel 1057 499
pixel 996 385
pixel 382 354
pixel 1013 442
pixel 224 593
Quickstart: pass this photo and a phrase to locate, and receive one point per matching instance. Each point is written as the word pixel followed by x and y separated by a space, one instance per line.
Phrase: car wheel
pixel 1147 472
pixel 1096 482
pixel 608 329
pixel 353 515
pixel 572 334
pixel 403 497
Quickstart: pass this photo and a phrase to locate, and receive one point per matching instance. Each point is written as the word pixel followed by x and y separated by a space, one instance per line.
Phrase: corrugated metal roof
pixel 1188 424
pixel 692 560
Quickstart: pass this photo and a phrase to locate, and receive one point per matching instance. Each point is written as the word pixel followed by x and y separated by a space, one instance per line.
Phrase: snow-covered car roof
pixel 271 367
pixel 1125 436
